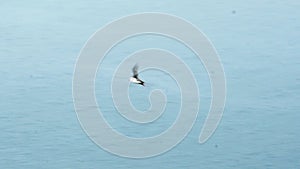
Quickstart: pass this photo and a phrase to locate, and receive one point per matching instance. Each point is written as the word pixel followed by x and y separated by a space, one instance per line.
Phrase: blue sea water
pixel 257 41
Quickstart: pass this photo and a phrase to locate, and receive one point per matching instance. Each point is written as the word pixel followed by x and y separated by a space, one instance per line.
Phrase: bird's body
pixel 134 78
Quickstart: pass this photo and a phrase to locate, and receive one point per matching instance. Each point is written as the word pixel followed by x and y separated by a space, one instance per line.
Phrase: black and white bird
pixel 134 78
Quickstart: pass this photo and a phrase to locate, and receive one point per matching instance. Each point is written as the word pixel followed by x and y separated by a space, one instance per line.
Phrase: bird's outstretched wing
pixel 135 70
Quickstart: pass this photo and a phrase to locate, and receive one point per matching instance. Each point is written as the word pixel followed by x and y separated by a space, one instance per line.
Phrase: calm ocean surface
pixel 257 41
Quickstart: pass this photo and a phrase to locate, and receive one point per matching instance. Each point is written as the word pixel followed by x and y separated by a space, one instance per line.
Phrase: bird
pixel 134 78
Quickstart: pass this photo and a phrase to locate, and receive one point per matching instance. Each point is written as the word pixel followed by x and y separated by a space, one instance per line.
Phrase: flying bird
pixel 134 78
